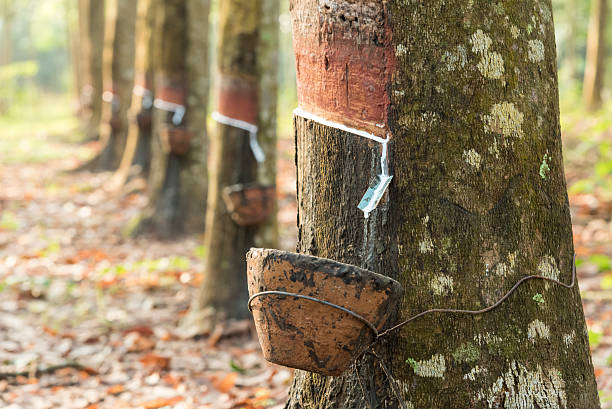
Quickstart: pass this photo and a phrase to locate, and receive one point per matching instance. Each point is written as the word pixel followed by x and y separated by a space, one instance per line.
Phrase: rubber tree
pixel 467 93
pixel 596 55
pixel 118 79
pixel 178 177
pixel 93 43
pixel 247 54
pixel 136 158
pixel 7 17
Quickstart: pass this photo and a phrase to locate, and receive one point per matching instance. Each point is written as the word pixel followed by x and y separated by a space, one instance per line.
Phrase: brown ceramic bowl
pixel 304 334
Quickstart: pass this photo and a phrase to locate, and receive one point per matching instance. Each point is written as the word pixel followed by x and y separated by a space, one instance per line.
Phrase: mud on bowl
pixel 295 300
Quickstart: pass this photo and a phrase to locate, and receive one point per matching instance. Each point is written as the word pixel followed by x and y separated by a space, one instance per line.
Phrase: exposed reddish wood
pixel 170 90
pixel 238 98
pixel 344 61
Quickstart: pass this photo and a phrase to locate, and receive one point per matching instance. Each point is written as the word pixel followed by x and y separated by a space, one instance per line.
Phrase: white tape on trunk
pixel 374 194
pixel 179 110
pixel 258 153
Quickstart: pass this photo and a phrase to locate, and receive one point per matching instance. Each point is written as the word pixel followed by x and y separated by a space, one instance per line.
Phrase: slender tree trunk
pixel 571 44
pixel 81 61
pixel 118 81
pixel 74 30
pixel 178 180
pixel 7 15
pixel 95 46
pixel 467 92
pixel 596 55
pixel 247 47
pixel 267 90
pixel 138 147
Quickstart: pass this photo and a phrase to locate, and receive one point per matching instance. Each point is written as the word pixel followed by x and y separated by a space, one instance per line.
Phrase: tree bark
pixel 467 92
pixel 95 47
pixel 178 182
pixel 118 79
pixel 136 159
pixel 267 89
pixel 596 55
pixel 246 65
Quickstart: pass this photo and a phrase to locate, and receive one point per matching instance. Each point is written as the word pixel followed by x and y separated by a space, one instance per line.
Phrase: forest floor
pixel 88 315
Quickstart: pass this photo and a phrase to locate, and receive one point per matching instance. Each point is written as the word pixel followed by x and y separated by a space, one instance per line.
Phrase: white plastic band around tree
pixel 252 129
pixel 374 194
pixel 145 94
pixel 179 110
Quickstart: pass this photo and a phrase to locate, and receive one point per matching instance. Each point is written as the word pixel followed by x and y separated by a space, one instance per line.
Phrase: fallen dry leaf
pixel 115 389
pixel 134 342
pixel 155 361
pixel 160 402
pixel 227 383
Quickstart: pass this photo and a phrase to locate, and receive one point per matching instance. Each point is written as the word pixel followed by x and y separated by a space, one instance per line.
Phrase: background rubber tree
pixel 7 17
pixel 136 160
pixel 468 93
pixel 596 55
pixel 178 177
pixel 247 54
pixel 93 44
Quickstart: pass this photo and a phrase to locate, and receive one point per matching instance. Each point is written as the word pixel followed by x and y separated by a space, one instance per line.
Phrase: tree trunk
pixel 596 55
pixel 178 182
pixel 137 154
pixel 95 47
pixel 7 16
pixel 468 94
pixel 247 48
pixel 267 55
pixel 118 81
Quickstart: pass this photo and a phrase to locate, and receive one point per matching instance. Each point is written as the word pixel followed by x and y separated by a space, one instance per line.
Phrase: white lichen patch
pixel 487 339
pixel 435 367
pixel 401 50
pixel 474 373
pixel 545 12
pixel 544 168
pixel 426 244
pixel 515 31
pixel 505 119
pixel 480 42
pixel 472 158
pixel 568 339
pixel 442 285
pixel 536 51
pixel 537 329
pixel 491 65
pixel 455 60
pixel 548 268
pixel 502 269
pixel 405 391
pixel 520 388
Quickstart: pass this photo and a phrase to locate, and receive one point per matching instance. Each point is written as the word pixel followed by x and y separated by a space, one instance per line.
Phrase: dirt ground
pixel 88 315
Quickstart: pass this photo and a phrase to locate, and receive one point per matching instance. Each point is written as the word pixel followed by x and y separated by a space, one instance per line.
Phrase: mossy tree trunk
pixel 118 77
pixel 95 46
pixel 596 55
pixel 246 87
pixel 178 180
pixel 136 158
pixel 469 98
